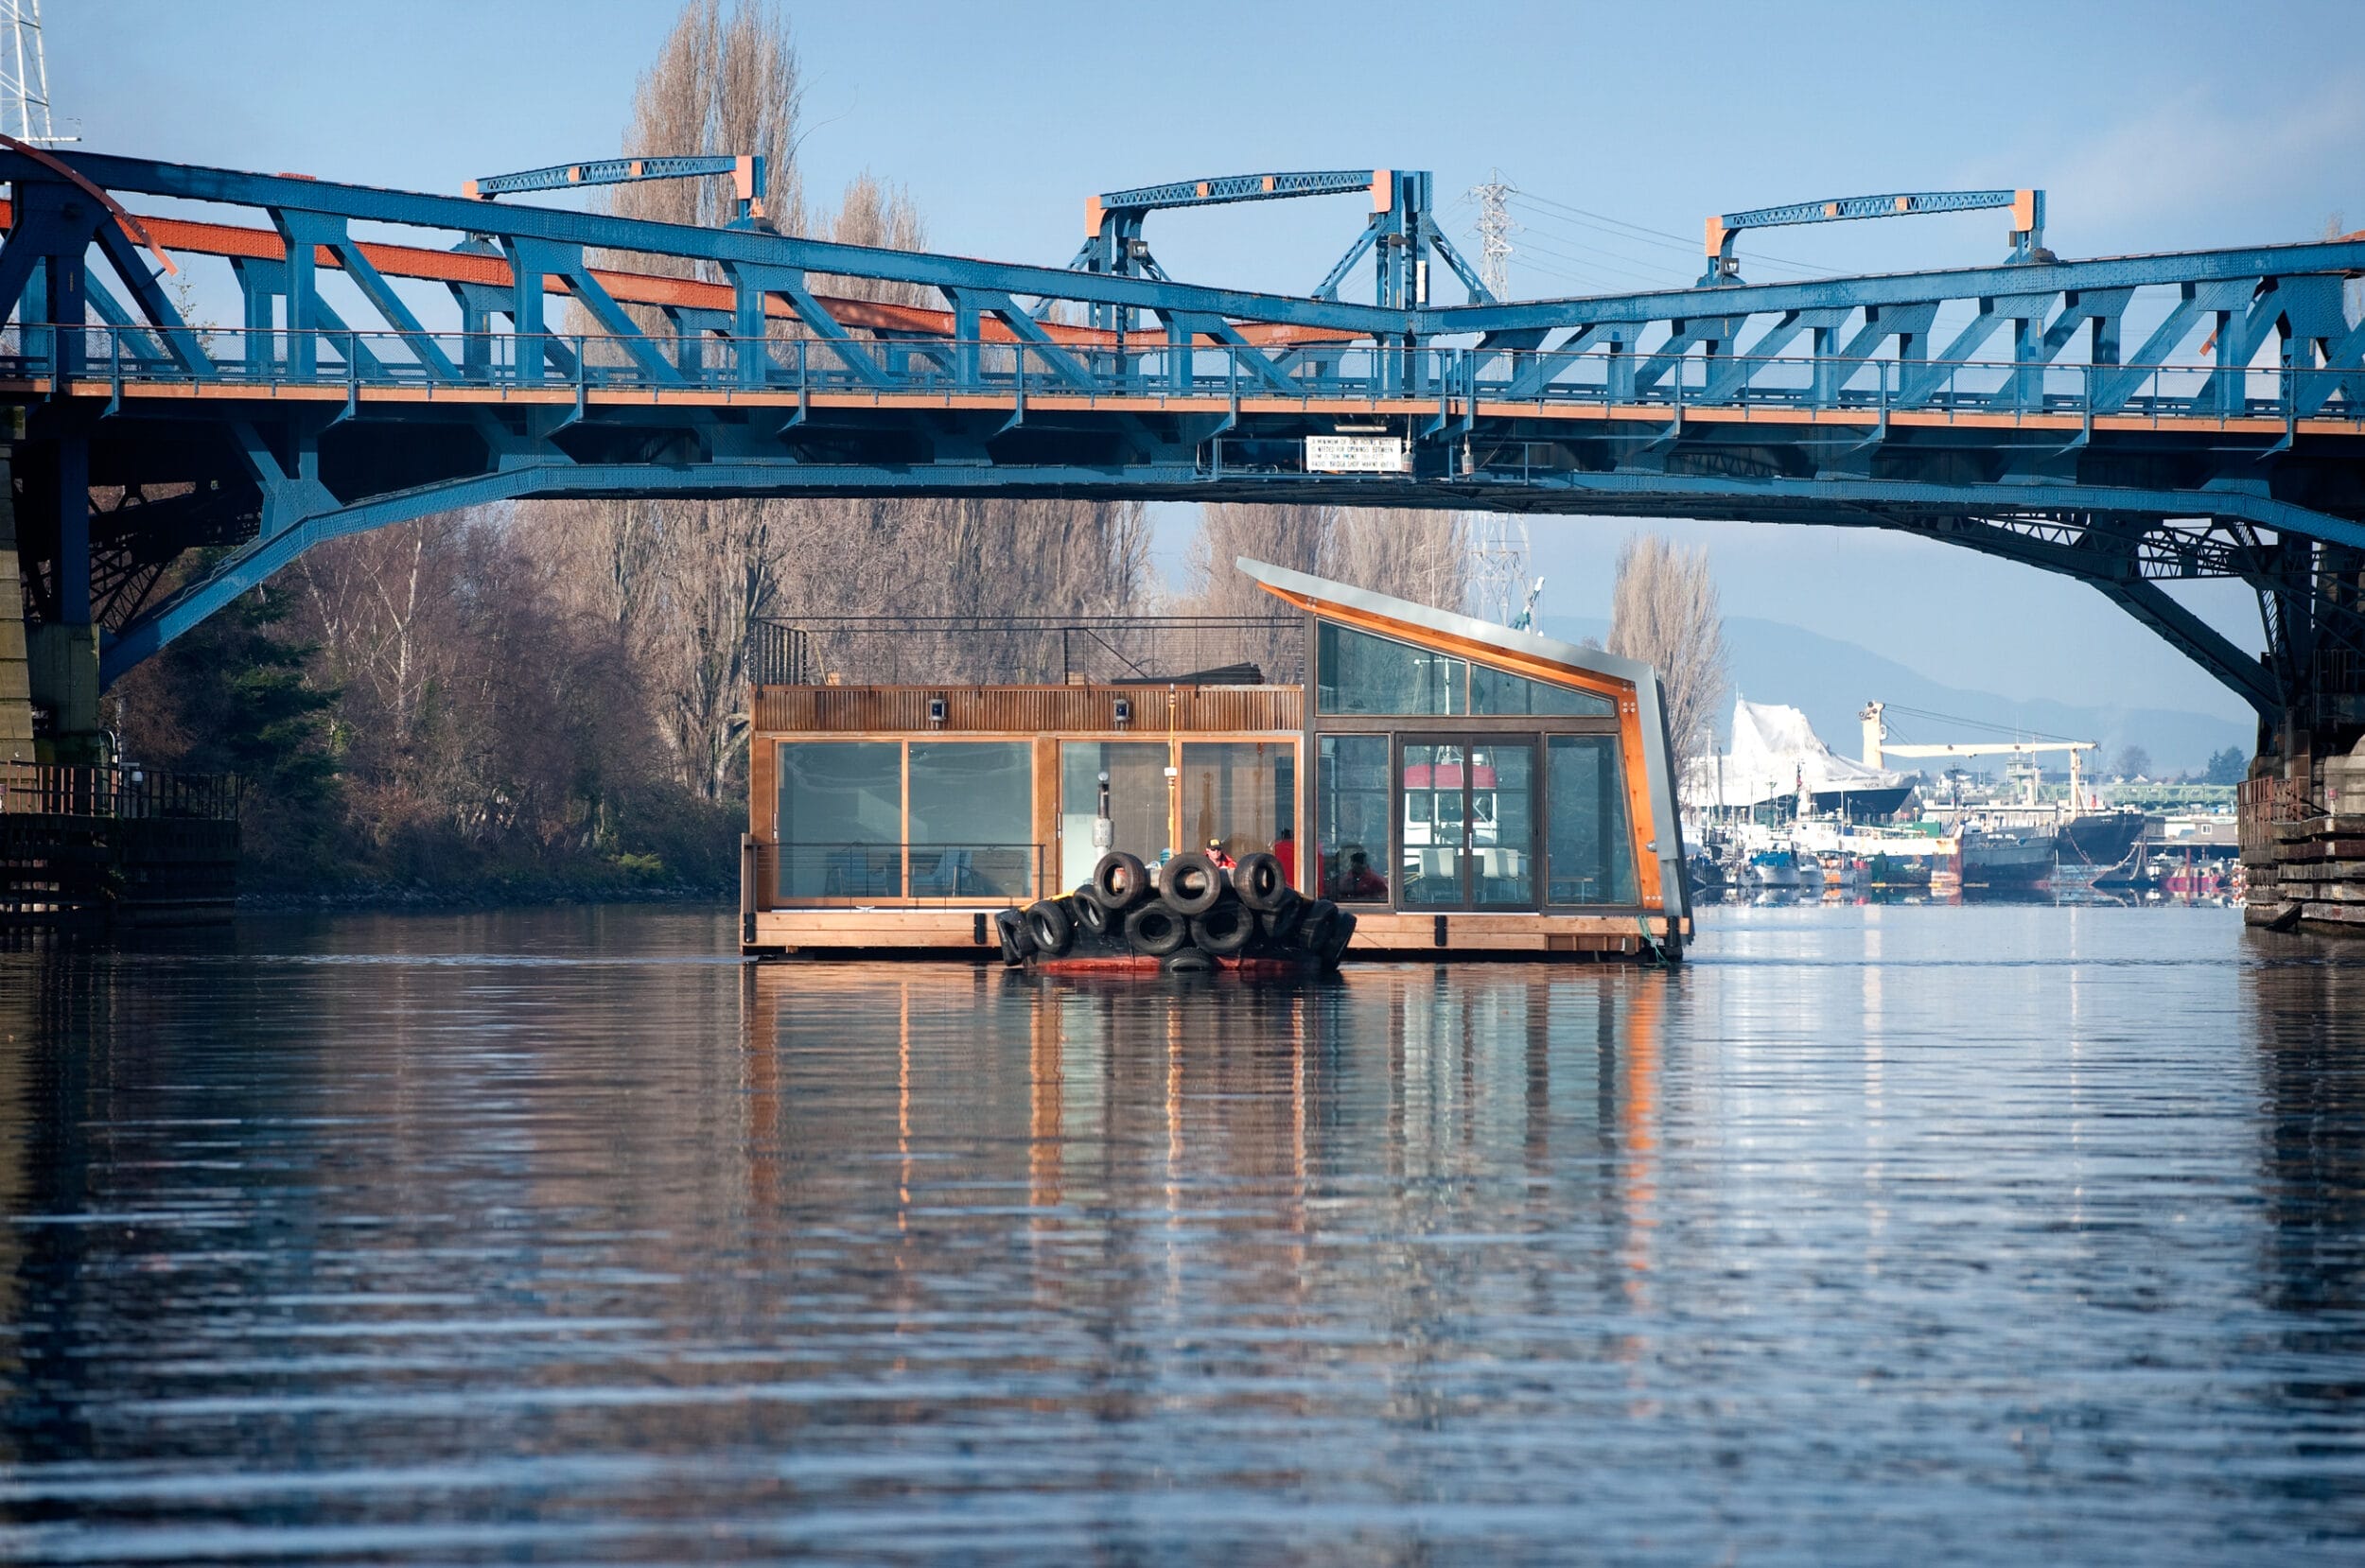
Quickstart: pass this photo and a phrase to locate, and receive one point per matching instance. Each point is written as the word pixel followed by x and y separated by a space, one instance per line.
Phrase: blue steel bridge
pixel 2126 421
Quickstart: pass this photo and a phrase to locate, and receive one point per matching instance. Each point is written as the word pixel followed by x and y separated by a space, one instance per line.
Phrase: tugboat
pixel 1994 859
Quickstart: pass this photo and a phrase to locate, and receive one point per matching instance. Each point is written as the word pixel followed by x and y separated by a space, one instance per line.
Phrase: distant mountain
pixel 1829 680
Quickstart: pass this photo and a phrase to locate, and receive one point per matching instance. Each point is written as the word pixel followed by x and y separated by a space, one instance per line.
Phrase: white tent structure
pixel 1776 755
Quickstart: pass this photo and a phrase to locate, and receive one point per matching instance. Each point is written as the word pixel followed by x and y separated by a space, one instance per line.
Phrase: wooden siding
pixel 783 711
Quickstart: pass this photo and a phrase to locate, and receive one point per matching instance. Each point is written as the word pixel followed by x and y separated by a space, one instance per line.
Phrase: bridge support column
pixel 16 690
pixel 2302 827
pixel 61 655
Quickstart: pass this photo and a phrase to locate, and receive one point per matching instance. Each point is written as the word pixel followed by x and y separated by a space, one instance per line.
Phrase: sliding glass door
pixel 1466 823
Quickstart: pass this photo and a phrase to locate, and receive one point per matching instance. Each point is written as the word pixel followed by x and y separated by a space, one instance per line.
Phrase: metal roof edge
pixel 1531 644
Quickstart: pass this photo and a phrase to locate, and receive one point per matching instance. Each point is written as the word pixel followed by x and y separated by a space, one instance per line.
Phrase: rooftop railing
pixel 1028 650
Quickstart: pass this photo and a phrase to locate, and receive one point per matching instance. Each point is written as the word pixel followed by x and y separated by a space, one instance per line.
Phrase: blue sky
pixel 1001 118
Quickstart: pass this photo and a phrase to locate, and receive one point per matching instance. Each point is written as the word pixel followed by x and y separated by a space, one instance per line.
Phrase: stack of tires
pixel 1195 913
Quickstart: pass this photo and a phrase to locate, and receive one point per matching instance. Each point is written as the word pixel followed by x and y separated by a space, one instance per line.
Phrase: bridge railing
pixel 553 363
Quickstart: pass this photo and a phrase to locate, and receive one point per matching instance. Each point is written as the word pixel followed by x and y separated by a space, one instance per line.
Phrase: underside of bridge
pixel 2130 422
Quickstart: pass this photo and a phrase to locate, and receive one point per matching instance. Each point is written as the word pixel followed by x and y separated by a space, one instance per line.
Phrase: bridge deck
pixel 1452 408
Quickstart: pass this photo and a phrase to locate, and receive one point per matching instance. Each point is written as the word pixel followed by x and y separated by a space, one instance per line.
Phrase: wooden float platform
pixel 968 933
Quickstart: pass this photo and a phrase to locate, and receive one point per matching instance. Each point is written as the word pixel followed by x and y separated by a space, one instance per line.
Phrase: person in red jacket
pixel 1214 853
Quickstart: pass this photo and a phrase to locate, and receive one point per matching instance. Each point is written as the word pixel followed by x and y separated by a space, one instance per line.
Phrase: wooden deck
pixel 969 933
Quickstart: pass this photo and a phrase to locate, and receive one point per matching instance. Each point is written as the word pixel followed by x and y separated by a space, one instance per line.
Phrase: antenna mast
pixel 25 75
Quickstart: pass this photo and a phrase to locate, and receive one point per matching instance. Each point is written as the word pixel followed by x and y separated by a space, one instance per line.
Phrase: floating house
pixel 1466 789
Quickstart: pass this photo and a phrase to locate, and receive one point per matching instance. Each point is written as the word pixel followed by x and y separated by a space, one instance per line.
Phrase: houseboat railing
pixel 65 789
pixel 1026 650
pixel 826 874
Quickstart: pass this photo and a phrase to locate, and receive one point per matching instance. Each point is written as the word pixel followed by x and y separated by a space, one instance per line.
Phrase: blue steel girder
pixel 1751 337
pixel 2028 208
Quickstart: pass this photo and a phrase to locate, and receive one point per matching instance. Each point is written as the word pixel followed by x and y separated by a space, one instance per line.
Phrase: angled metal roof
pixel 1657 760
pixel 1528 644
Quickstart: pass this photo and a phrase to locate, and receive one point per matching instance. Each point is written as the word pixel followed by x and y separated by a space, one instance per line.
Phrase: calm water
pixel 1981 1234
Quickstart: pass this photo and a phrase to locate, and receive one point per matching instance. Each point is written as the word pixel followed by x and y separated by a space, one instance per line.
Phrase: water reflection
pixel 2018 1232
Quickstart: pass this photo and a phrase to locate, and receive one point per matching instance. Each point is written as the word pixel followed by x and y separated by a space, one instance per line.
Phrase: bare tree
pixel 1406 552
pixel 1665 611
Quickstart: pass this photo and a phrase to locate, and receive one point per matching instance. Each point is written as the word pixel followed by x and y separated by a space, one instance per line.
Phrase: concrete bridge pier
pixel 49 679
pixel 16 690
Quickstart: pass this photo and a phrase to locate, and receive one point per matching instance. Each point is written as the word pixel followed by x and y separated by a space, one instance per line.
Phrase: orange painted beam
pixel 651 289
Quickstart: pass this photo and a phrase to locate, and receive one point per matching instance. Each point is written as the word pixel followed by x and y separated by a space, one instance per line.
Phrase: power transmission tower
pixel 1495 226
pixel 25 75
pixel 1500 589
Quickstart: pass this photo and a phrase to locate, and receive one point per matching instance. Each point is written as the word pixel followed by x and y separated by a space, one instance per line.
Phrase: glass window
pixel 1351 813
pixel 841 819
pixel 1359 673
pixel 1500 691
pixel 1138 801
pixel 1503 822
pixel 1243 796
pixel 1430 839
pixel 1591 852
pixel 972 809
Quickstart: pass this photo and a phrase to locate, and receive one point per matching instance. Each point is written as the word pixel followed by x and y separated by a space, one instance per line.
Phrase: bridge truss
pixel 2127 421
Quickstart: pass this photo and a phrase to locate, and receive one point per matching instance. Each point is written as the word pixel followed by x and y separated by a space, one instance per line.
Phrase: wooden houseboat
pixel 1466 788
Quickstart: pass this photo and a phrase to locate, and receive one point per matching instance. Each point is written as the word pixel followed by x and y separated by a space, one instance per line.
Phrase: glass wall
pixel 1351 817
pixel 1359 673
pixel 1242 794
pixel 973 819
pixel 841 819
pixel 1138 801
pixel 1590 850
pixel 1498 691
pixel 1433 829
pixel 1364 674
pixel 1503 822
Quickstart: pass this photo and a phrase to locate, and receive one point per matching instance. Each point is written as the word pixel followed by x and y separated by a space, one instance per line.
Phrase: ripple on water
pixel 1986 1234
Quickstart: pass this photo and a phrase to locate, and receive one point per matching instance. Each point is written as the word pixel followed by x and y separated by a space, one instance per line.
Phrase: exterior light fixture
pixel 935 710
pixel 1125 710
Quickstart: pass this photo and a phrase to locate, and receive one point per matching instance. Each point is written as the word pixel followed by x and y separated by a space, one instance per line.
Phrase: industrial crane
pixel 1877 747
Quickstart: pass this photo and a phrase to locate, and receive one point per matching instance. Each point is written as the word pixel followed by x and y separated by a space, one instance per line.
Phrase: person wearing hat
pixel 1214 853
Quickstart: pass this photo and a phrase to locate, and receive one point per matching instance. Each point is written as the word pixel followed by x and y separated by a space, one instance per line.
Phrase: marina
pixel 1855 830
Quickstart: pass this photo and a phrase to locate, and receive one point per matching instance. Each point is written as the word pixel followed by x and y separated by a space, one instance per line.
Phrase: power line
pixel 1690 246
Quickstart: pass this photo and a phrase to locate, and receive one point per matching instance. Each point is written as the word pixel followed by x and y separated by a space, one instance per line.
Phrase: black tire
pixel 1155 930
pixel 1018 944
pixel 1191 884
pixel 1259 880
pixel 1049 924
pixel 1225 928
pixel 1341 933
pixel 1315 928
pixel 1188 961
pixel 1091 915
pixel 1279 924
pixel 1120 881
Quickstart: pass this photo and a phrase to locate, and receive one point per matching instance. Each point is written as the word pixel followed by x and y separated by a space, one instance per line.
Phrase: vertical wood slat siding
pixel 788 710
